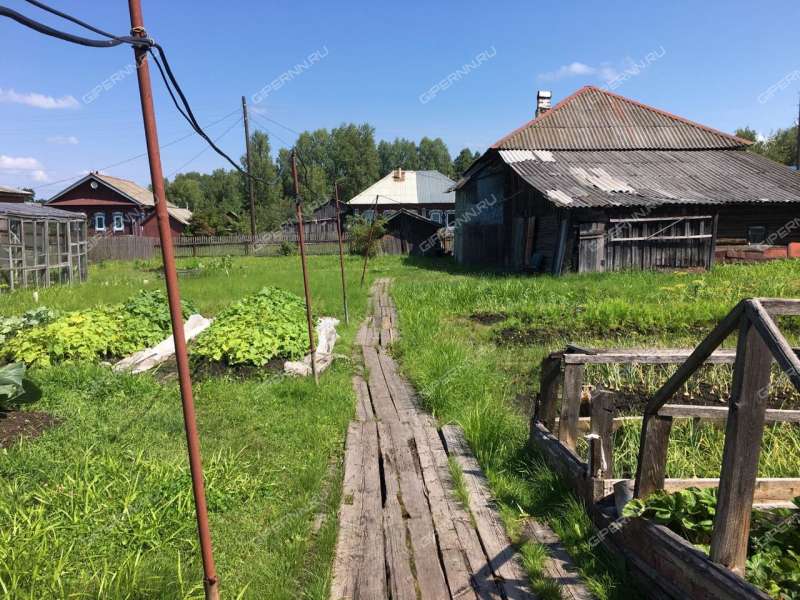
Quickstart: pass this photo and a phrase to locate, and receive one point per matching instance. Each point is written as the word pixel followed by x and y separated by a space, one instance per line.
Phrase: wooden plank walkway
pixel 403 533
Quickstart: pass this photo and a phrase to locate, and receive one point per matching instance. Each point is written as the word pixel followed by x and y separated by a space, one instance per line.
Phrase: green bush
pixel 365 237
pixel 287 248
pixel 10 326
pixel 98 333
pixel 266 325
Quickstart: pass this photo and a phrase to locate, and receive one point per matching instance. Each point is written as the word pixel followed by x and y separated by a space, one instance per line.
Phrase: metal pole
pixel 369 239
pixel 211 582
pixel 341 251
pixel 301 238
pixel 251 184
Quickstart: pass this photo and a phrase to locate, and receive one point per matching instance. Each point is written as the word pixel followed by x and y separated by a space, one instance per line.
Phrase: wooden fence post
pixel 652 467
pixel 550 376
pixel 743 434
pixel 601 440
pixel 571 406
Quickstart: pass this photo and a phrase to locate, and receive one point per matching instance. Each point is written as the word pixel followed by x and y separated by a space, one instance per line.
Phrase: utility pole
pixel 301 238
pixel 797 141
pixel 211 582
pixel 369 238
pixel 341 251
pixel 250 182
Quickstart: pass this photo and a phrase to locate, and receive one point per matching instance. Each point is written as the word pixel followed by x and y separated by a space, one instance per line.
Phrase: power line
pixel 138 156
pixel 139 41
pixel 204 150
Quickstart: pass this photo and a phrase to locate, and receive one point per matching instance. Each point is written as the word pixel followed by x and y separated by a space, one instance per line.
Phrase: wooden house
pixel 408 232
pixel 117 206
pixel 9 194
pixel 602 182
pixel 426 193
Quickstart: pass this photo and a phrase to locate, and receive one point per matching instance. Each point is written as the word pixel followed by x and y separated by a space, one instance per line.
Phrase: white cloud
pixel 38 100
pixel 604 71
pixel 39 175
pixel 64 140
pixel 19 163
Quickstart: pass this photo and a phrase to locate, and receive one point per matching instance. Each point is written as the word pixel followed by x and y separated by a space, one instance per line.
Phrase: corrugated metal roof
pixel 416 187
pixel 651 177
pixel 26 209
pixel 596 119
pixel 14 191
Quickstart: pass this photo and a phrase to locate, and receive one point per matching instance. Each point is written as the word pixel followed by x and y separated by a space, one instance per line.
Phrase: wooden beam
pixel 696 358
pixel 657 356
pixel 550 380
pixel 775 341
pixel 720 413
pixel 601 440
pixel 571 406
pixel 652 464
pixel 780 306
pixel 743 435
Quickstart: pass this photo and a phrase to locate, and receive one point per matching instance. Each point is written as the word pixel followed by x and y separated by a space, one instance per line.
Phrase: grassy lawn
pixel 101 506
pixel 472 343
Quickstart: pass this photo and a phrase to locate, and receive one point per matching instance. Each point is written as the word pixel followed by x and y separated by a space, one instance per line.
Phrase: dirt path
pixel 403 532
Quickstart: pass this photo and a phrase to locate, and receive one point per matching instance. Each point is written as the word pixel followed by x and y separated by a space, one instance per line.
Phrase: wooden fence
pixel 671 563
pixel 129 247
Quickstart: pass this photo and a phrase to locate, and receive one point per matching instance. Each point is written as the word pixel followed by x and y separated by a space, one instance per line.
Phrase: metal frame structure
pixel 41 246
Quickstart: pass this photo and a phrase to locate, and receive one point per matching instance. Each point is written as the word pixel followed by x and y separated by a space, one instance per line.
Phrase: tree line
pixel 347 155
pixel 780 145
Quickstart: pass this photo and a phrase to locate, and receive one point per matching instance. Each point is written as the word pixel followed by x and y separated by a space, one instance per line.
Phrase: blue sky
pixel 724 64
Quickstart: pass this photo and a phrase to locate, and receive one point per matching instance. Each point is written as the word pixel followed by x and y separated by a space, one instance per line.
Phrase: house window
pixel 100 221
pixel 756 234
pixel 369 214
pixel 118 222
pixel 436 215
pixel 451 218
pixel 388 213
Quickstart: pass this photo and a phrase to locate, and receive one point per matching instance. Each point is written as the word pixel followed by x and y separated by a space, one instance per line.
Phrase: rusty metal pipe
pixel 211 582
pixel 341 251
pixel 369 239
pixel 302 239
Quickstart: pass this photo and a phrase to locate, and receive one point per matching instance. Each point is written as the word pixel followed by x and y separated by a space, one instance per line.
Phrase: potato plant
pixel 99 333
pixel 266 325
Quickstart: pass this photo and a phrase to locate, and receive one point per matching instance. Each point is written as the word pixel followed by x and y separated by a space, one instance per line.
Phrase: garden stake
pixel 341 251
pixel 211 582
pixel 369 239
pixel 301 238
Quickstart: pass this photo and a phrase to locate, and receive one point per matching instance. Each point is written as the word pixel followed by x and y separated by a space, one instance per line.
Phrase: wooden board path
pixel 403 533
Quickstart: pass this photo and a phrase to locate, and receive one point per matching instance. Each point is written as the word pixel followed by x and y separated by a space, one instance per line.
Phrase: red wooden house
pixel 117 206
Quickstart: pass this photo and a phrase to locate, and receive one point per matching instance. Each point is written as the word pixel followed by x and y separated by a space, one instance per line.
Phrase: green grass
pixel 101 505
pixel 472 374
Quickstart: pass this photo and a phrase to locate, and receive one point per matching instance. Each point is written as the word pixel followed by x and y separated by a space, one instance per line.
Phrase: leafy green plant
pixel 773 562
pixel 266 325
pixel 10 326
pixel 97 333
pixel 287 248
pixel 11 382
pixel 365 236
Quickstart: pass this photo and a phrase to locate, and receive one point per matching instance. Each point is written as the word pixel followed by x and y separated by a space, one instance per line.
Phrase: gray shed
pixel 41 246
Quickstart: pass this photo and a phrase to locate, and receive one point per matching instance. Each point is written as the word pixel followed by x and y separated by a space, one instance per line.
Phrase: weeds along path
pixel 416 518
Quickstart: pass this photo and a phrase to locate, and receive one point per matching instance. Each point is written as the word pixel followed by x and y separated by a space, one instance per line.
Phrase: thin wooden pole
pixel 211 581
pixel 250 183
pixel 341 251
pixel 369 239
pixel 301 239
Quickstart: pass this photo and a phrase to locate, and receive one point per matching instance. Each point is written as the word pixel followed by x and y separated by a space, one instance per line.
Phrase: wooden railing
pixel 759 342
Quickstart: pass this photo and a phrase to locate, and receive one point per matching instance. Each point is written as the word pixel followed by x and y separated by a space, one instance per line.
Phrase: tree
pixel 434 156
pixel 462 162
pixel 271 208
pixel 401 153
pixel 354 158
pixel 780 146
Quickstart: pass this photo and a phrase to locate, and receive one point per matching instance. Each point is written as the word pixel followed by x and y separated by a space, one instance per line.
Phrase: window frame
pixel 751 237
pixel 450 217
pixel 440 214
pixel 97 217
pixel 121 217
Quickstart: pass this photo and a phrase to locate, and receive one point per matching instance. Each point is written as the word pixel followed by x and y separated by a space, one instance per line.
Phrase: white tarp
pixel 146 359
pixel 326 340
